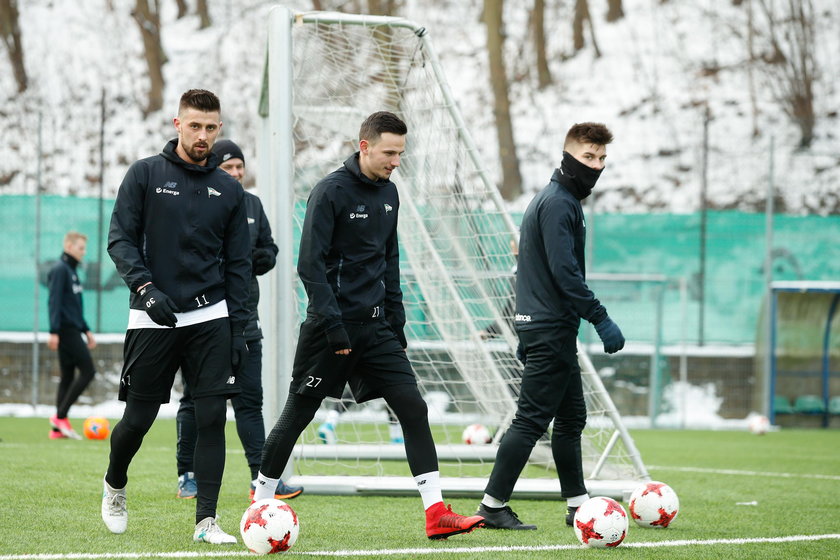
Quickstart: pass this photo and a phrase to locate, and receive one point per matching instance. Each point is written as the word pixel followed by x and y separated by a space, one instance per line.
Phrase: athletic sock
pixel 492 502
pixel 429 486
pixel 577 501
pixel 265 487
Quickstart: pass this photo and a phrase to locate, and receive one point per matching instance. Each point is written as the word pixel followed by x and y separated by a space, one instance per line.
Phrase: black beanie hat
pixel 227 149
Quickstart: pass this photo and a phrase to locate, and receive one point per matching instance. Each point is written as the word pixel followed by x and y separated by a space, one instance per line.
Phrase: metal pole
pixel 36 356
pixel 769 210
pixel 99 233
pixel 703 211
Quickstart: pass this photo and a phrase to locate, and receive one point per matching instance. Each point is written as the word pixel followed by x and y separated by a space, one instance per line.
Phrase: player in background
pixel 179 238
pixel 551 298
pixel 247 406
pixel 326 431
pixel 67 325
pixel 353 331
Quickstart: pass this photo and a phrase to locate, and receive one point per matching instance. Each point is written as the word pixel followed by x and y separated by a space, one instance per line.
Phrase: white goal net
pixel 325 73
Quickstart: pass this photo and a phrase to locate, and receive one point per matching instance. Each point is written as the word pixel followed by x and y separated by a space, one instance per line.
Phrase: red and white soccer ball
pixel 654 504
pixel 758 424
pixel 269 526
pixel 600 522
pixel 476 434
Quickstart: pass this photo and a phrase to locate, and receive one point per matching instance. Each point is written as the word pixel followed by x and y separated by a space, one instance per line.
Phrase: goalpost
pixel 325 72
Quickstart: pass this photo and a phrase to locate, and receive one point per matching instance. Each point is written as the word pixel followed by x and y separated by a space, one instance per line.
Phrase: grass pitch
pixel 742 496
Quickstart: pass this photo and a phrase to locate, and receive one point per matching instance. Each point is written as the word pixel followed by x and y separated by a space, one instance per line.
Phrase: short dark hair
pixel 589 133
pixel 200 99
pixel 379 122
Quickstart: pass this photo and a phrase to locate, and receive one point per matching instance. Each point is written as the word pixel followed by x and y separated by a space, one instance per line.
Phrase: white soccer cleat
pixel 114 512
pixel 208 531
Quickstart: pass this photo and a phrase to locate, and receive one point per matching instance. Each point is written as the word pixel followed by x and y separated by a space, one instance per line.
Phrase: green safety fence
pixel 724 292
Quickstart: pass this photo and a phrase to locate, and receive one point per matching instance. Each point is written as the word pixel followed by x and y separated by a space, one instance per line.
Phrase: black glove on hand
pixel 262 260
pixel 338 339
pixel 610 335
pixel 238 353
pixel 158 305
pixel 520 354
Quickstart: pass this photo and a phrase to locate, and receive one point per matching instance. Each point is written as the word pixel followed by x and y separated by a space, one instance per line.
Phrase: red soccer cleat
pixel 442 522
pixel 63 425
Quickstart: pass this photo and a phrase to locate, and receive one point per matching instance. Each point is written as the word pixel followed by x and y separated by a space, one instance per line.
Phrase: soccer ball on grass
pixel 600 522
pixel 758 424
pixel 476 434
pixel 96 427
pixel 654 504
pixel 269 526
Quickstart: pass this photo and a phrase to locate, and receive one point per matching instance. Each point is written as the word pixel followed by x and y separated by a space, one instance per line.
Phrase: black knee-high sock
pixel 413 414
pixel 297 414
pixel 127 437
pixel 209 462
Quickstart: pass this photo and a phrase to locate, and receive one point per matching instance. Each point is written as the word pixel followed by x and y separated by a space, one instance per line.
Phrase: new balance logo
pixel 231 380
pixel 388 208
pixel 212 192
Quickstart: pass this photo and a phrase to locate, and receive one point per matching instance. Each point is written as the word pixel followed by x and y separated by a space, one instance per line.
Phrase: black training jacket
pixel 183 227
pixel 551 288
pixel 65 301
pixel 260 232
pixel 349 256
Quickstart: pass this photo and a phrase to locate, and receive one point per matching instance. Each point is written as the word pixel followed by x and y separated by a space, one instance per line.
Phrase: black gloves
pixel 262 260
pixel 238 353
pixel 520 353
pixel 160 308
pixel 338 340
pixel 610 335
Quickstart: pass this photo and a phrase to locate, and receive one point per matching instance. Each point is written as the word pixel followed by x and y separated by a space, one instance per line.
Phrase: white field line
pixel 414 551
pixel 746 473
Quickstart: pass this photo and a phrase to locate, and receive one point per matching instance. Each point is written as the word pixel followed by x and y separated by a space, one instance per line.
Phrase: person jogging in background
pixel 247 406
pixel 551 298
pixel 179 238
pixel 67 329
pixel 353 332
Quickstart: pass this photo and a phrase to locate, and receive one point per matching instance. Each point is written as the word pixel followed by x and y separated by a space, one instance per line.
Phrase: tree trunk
pixel 182 8
pixel 543 72
pixel 581 15
pixel 147 15
pixel 615 11
pixel 203 14
pixel 511 179
pixel 10 32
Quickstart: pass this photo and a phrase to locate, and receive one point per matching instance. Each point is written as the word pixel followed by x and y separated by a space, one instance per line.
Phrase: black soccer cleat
pixel 570 516
pixel 502 518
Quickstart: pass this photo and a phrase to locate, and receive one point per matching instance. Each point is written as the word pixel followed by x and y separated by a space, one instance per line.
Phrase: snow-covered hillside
pixel 660 67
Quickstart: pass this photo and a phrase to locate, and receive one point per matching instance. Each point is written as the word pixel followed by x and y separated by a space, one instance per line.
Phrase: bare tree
pixel 615 11
pixel 538 21
pixel 582 18
pixel 147 15
pixel 182 8
pixel 203 14
pixel 10 31
pixel 511 178
pixel 791 64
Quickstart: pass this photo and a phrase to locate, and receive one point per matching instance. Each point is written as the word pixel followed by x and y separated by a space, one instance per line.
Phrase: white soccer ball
pixel 600 522
pixel 758 424
pixel 654 504
pixel 476 434
pixel 269 526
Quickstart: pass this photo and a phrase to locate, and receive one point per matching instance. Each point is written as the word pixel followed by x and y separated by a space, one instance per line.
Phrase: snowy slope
pixel 660 67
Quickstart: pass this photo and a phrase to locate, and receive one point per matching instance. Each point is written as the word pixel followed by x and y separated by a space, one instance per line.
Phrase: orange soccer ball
pixel 97 427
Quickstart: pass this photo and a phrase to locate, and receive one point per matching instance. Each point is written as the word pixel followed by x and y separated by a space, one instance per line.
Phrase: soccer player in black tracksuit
pixel 353 332
pixel 67 324
pixel 179 237
pixel 551 298
pixel 247 406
